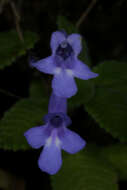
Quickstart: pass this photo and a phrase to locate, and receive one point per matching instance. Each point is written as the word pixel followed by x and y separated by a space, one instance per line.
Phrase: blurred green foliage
pixel 85 170
pixel 23 115
pixel 105 100
pixel 109 104
pixel 105 96
pixel 117 157
pixel 11 47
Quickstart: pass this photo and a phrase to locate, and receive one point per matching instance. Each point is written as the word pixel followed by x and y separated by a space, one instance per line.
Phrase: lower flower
pixel 54 136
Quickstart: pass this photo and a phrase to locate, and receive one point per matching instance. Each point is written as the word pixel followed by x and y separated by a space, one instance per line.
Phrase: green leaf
pixel 109 104
pixel 85 171
pixel 64 24
pixel 23 115
pixel 11 47
pixel 117 156
pixel 40 89
pixel 84 94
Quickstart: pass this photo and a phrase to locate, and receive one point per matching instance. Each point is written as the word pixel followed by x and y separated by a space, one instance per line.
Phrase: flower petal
pixel 36 136
pixel 75 41
pixel 45 65
pixel 63 84
pixel 57 104
pixel 56 38
pixel 82 71
pixel 71 142
pixel 50 159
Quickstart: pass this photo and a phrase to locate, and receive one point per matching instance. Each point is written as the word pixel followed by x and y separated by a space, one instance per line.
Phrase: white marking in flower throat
pixel 57 142
pixel 69 72
pixel 57 70
pixel 48 141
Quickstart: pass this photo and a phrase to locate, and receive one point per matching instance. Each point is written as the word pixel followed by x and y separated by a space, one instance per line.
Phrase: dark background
pixel 105 32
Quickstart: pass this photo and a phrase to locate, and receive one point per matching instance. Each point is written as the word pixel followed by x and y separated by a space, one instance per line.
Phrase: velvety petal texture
pixel 36 136
pixel 56 39
pixel 45 65
pixel 57 103
pixel 75 42
pixel 50 159
pixel 82 71
pixel 63 84
pixel 72 142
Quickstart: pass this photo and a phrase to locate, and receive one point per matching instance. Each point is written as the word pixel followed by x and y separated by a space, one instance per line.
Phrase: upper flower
pixel 64 64
pixel 54 136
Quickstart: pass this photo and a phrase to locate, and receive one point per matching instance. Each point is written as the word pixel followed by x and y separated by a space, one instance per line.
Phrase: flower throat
pixel 64 50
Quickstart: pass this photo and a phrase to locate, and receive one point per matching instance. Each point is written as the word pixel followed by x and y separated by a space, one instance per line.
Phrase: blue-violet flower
pixel 54 136
pixel 64 64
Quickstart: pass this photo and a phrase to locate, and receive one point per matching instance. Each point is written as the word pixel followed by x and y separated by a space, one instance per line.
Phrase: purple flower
pixel 64 64
pixel 54 136
pixel 57 104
